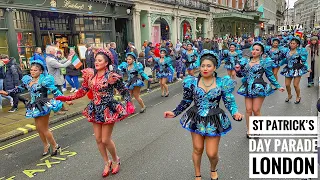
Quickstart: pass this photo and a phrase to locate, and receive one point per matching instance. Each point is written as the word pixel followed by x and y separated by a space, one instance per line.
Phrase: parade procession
pixel 132 90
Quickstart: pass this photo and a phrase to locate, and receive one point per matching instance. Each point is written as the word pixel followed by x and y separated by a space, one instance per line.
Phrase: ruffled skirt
pixel 191 65
pixel 133 82
pixel 164 74
pixel 296 70
pixel 105 113
pixel 216 123
pixel 229 65
pixel 42 107
pixel 256 89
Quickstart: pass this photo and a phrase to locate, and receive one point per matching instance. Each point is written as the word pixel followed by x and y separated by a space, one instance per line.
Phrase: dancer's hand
pixel 237 116
pixel 150 80
pixel 281 89
pixel 168 114
pixel 237 67
pixel 69 103
pixel 3 92
pixel 63 98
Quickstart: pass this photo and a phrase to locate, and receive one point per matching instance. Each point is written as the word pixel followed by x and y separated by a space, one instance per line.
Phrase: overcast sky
pixel 291 3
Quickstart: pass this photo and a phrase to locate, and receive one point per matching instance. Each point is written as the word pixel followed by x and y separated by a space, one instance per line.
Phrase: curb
pixel 30 128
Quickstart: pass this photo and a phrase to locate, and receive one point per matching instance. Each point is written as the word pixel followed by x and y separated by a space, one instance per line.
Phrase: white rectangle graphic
pixel 265 125
pixel 283 165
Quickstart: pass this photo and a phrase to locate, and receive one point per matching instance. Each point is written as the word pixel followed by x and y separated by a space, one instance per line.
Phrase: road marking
pixel 65 124
pixel 25 131
pixel 31 126
pixel 158 103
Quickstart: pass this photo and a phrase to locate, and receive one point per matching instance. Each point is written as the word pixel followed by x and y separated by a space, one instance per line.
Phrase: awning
pixel 232 15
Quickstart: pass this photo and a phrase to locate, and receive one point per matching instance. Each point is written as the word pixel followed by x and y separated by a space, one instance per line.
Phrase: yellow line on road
pixel 31 126
pixel 25 131
pixel 58 126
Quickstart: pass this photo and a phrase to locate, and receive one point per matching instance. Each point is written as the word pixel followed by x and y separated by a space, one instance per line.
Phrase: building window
pixel 23 20
pixel 25 45
pixel 47 23
pixel 99 40
pixel 3 42
pixel 92 24
pixel 2 21
pixel 256 3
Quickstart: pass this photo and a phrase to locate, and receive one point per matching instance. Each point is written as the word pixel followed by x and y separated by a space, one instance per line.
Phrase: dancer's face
pixel 256 51
pixel 207 68
pixel 189 47
pixel 275 44
pixel 162 54
pixel 232 48
pixel 35 71
pixel 100 63
pixel 293 45
pixel 129 60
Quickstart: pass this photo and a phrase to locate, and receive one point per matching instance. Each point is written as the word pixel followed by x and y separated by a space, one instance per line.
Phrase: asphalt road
pixel 150 147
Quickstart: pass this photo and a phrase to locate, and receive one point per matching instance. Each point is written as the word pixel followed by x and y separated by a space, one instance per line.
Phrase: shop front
pixel 234 23
pixel 65 23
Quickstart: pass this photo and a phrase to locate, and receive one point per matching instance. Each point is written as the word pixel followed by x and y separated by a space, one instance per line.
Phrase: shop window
pixel 3 43
pixel 61 24
pixel 26 45
pixel 23 20
pixel 84 23
pixel 2 21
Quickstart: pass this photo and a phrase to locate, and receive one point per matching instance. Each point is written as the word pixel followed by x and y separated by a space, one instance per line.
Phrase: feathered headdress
pixel 41 63
pixel 131 54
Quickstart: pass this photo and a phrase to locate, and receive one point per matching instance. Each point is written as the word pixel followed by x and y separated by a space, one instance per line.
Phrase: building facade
pixel 25 25
pixel 317 16
pixel 298 6
pixel 305 13
pixel 289 17
pixel 156 20
pixel 281 9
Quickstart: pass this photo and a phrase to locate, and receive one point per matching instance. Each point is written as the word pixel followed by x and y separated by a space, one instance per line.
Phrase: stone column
pixel 174 31
pixel 37 32
pixel 137 30
pixel 130 29
pixel 149 26
pixel 12 35
pixel 194 30
pixel 206 28
pixel 113 30
pixel 178 22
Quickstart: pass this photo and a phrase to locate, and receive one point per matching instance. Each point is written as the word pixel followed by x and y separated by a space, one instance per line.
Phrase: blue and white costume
pixel 40 104
pixel 165 68
pixel 253 84
pixel 277 55
pixel 231 58
pixel 296 64
pixel 134 73
pixel 190 59
pixel 206 117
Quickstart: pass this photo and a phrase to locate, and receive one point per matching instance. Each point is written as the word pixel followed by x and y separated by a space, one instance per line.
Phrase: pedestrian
pixel 296 66
pixel 72 74
pixel 135 74
pixel 38 83
pixel 2 77
pixel 164 70
pixel 205 120
pixel 103 111
pixel 254 88
pixel 54 67
pixel 314 61
pixel 89 55
pixel 12 79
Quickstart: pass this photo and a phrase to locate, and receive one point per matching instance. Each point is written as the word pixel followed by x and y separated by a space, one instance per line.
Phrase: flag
pixel 76 62
pixel 298 33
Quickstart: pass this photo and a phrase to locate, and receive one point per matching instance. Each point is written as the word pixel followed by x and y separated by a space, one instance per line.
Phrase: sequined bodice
pixel 37 91
pixel 255 72
pixel 206 100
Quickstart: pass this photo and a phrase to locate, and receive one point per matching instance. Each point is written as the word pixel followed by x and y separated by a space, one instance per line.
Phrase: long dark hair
pixel 106 58
pixel 315 47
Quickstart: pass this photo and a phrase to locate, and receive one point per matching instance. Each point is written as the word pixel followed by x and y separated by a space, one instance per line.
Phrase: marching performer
pixel 253 87
pixel 103 111
pixel 231 58
pixel 190 57
pixel 206 121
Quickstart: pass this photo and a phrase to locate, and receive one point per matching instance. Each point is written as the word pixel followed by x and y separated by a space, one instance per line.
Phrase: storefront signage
pixel 73 5
pixel 231 15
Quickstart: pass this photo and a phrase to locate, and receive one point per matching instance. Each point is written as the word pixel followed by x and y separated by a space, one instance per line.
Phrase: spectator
pixel 113 47
pixel 72 75
pixel 54 66
pixel 2 77
pixel 89 56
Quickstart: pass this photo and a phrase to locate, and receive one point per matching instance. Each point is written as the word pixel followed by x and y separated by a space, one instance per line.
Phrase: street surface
pixel 150 147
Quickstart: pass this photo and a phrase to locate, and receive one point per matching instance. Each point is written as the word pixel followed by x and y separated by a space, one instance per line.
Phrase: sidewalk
pixel 16 124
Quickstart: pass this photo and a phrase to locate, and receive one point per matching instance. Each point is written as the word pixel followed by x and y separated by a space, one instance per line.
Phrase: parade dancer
pixel 254 88
pixel 103 110
pixel 189 57
pixel 39 83
pixel 134 82
pixel 296 66
pixel 277 54
pixel 206 121
pixel 313 60
pixel 165 69
pixel 231 58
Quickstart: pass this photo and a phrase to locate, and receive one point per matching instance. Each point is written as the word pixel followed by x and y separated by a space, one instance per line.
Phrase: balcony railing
pixel 193 4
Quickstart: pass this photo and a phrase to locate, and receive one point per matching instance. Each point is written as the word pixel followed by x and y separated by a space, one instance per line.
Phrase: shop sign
pixel 73 5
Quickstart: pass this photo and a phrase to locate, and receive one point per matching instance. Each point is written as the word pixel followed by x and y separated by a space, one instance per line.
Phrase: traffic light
pixel 262 26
